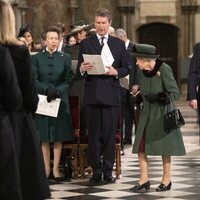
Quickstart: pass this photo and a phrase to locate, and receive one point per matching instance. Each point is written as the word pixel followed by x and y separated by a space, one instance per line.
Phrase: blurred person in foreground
pixel 53 77
pixel 33 182
pixel 10 101
pixel 157 83
pixel 102 96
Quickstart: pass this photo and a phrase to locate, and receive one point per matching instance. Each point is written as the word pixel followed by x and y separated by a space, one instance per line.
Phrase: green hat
pixel 145 51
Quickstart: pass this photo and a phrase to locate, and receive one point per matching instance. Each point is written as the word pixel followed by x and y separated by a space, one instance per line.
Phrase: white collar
pixel 49 51
pixel 127 43
pixel 105 36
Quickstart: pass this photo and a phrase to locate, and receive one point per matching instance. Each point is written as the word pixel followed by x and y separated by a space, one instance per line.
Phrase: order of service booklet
pixel 99 62
pixel 48 109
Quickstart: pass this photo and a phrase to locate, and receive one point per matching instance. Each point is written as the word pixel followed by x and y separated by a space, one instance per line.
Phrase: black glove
pixel 151 98
pixel 52 94
pixel 135 99
pixel 160 97
pixel 163 98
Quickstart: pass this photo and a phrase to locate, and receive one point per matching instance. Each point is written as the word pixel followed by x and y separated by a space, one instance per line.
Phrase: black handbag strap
pixel 171 106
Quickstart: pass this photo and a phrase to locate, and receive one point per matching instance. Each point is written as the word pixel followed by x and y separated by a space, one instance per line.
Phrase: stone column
pixel 73 6
pixel 189 8
pixel 127 9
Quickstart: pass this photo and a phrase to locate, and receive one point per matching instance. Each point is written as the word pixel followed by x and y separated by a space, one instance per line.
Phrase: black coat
pixel 10 100
pixel 34 183
pixel 100 88
pixel 194 75
pixel 102 99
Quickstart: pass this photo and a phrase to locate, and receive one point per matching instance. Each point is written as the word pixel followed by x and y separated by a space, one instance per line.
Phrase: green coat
pixel 54 70
pixel 157 141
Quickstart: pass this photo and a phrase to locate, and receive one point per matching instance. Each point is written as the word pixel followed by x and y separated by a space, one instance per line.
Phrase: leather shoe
pixel 95 179
pixel 162 187
pixel 109 179
pixel 58 180
pixel 139 188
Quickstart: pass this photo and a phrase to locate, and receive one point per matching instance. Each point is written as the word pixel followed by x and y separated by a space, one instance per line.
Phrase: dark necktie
pixel 101 41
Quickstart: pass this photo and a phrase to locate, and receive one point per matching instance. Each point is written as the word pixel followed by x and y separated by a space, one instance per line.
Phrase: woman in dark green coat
pixel 151 139
pixel 53 76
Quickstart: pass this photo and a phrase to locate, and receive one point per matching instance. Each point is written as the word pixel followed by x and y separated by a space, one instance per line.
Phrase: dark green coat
pixel 157 141
pixel 54 70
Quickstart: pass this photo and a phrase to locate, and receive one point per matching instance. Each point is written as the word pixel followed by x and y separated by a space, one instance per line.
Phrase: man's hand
pixel 111 71
pixel 85 66
pixel 193 103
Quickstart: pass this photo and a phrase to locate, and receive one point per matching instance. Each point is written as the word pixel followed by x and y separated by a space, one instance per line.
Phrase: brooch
pixel 158 73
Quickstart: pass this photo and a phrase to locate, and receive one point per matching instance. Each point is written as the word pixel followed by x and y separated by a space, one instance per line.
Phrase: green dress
pixel 54 70
pixel 151 125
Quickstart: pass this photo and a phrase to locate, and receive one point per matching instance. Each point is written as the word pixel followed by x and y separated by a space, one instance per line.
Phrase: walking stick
pixel 135 100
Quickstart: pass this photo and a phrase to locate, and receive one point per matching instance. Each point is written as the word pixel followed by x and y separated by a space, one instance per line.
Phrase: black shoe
pixel 58 180
pixel 139 188
pixel 109 179
pixel 122 153
pixel 95 179
pixel 162 187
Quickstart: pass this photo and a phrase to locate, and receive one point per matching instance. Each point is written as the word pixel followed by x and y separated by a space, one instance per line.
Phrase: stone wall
pixel 127 14
pixel 42 13
pixel 46 12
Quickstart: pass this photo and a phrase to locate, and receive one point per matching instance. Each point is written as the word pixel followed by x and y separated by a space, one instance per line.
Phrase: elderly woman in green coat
pixel 53 76
pixel 151 139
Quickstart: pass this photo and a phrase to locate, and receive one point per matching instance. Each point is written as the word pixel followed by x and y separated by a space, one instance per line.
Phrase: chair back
pixel 74 102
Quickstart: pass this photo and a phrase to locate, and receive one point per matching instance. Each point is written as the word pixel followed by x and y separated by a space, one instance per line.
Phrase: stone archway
pixel 165 38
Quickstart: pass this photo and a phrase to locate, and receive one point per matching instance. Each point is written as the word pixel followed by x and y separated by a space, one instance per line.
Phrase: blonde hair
pixel 7 24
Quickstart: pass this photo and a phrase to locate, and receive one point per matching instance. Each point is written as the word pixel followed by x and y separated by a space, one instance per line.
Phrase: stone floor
pixel 185 172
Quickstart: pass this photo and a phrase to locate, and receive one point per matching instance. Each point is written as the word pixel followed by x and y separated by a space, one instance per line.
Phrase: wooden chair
pixel 118 153
pixel 83 147
pixel 73 146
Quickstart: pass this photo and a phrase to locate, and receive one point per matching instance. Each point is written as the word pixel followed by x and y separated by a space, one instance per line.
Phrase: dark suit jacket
pixel 102 89
pixel 194 74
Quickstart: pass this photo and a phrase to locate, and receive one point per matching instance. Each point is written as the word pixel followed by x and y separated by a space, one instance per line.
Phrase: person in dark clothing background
pixel 193 91
pixel 131 87
pixel 77 89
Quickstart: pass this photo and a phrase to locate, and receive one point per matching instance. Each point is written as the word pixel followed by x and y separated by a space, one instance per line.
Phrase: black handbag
pixel 173 118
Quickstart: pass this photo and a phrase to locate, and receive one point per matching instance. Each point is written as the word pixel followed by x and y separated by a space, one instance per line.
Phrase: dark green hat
pixel 145 51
